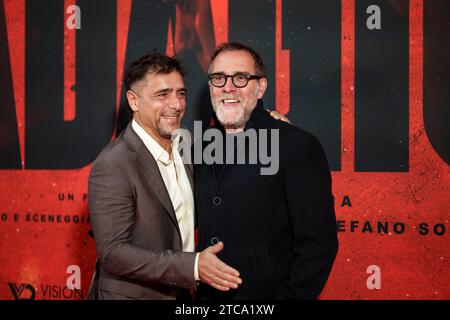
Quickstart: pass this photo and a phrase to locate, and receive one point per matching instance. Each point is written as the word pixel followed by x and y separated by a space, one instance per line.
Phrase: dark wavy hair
pixel 151 62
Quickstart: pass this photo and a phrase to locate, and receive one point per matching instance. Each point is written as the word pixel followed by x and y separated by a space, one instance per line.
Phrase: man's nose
pixel 229 86
pixel 175 103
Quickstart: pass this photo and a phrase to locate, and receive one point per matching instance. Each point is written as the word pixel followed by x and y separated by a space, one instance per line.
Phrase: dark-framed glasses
pixel 239 80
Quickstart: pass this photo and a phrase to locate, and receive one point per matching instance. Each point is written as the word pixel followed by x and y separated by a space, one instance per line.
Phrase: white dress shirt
pixel 177 184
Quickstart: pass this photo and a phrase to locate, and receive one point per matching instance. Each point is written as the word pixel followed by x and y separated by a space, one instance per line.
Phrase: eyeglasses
pixel 240 80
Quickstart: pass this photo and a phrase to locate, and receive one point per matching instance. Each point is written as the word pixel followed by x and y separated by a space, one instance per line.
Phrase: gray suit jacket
pixel 135 227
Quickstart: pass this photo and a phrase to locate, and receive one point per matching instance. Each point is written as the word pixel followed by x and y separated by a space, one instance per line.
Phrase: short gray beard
pixel 240 123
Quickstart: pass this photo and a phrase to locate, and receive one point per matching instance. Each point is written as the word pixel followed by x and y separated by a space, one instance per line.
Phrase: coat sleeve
pixel 112 214
pixel 310 204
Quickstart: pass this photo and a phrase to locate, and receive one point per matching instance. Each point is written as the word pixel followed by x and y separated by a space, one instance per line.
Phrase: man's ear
pixel 262 87
pixel 132 100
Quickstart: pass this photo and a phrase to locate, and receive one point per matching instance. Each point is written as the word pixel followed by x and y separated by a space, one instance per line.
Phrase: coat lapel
pixel 190 173
pixel 150 171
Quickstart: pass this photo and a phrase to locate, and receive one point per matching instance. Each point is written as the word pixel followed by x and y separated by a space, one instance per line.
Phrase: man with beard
pixel 140 198
pixel 279 229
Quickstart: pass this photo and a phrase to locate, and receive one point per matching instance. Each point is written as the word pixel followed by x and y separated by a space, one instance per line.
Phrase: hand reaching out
pixel 276 115
pixel 214 272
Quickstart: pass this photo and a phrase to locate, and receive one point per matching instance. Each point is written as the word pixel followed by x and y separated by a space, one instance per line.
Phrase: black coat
pixel 279 231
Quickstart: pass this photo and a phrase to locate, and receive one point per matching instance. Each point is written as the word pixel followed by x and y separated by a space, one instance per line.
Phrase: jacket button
pixel 214 240
pixel 217 200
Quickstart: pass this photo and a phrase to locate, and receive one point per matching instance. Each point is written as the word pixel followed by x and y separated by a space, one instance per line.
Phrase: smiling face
pixel 233 105
pixel 158 102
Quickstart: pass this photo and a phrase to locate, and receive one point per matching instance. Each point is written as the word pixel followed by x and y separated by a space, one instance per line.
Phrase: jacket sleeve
pixel 310 204
pixel 112 214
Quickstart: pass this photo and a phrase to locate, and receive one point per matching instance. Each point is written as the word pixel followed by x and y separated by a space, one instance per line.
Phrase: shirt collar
pixel 155 149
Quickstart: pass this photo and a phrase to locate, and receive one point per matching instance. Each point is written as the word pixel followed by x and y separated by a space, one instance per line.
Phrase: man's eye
pixel 218 77
pixel 162 94
pixel 240 77
pixel 182 94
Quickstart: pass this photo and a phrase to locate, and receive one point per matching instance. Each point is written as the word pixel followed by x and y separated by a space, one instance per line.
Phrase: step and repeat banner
pixel 370 78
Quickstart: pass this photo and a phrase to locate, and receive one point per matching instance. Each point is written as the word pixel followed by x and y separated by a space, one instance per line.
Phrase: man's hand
pixel 276 115
pixel 214 272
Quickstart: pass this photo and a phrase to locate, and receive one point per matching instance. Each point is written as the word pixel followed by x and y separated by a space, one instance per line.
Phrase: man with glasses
pixel 279 230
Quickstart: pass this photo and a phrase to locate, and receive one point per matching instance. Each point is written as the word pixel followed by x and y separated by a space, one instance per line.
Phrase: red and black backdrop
pixel 378 99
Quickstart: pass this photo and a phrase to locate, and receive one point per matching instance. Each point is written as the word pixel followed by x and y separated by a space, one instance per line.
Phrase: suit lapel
pixel 150 171
pixel 190 173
